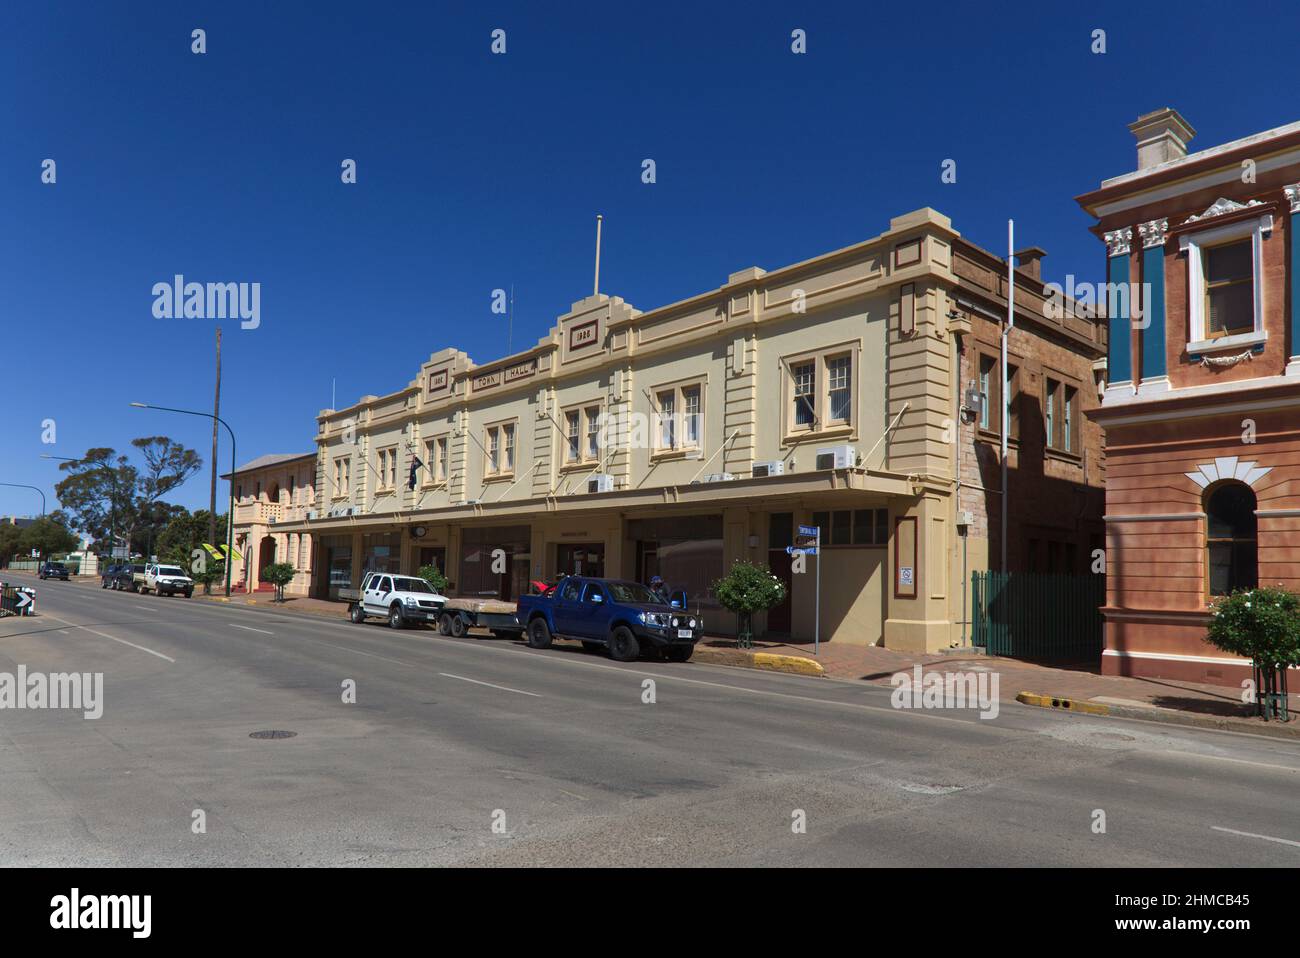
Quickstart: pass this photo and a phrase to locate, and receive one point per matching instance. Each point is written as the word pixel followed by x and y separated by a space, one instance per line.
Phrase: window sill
pixel 1063 455
pixel 991 436
pixel 820 435
pixel 578 466
pixel 1227 342
pixel 498 476
pixel 669 455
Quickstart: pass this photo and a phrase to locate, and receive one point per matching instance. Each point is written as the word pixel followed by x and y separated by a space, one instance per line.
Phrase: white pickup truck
pixel 401 599
pixel 167 580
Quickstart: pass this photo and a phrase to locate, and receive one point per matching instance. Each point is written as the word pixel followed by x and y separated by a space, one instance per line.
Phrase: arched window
pixel 1230 550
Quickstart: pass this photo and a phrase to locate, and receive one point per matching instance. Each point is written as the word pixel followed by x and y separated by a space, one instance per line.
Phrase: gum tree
pixel 105 491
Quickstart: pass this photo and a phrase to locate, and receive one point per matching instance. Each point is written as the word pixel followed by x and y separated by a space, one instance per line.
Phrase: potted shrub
pixel 748 588
pixel 437 581
pixel 279 574
pixel 1262 625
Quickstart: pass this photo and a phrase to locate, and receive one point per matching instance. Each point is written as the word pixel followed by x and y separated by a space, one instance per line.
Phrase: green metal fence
pixel 1054 618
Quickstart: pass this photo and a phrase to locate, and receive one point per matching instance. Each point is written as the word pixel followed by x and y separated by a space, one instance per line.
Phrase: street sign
pixel 24 599
pixel 121 552
pixel 811 532
pixel 801 550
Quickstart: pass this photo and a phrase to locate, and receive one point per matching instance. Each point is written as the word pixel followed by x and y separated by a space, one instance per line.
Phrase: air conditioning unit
pixel 837 457
pixel 600 483
pixel 719 477
pixel 271 520
pixel 311 513
pixel 341 511
pixel 772 467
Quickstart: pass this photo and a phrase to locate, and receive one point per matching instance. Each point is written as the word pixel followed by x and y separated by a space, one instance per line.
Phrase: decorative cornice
pixel 1118 241
pixel 1153 233
pixel 1293 196
pixel 1221 206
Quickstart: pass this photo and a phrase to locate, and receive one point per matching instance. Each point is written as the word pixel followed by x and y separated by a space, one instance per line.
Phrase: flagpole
pixel 1002 396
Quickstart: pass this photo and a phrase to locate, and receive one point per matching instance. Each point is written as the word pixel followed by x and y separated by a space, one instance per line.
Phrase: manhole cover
pixel 272 733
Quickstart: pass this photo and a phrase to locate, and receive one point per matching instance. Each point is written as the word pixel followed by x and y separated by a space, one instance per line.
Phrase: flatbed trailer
pixel 458 616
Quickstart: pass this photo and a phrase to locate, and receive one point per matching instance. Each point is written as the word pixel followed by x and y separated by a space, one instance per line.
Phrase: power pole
pixel 212 492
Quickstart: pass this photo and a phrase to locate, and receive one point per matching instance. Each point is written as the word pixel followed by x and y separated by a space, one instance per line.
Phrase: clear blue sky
pixel 476 171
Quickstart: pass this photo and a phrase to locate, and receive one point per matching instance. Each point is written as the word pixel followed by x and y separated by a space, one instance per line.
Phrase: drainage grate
pixel 272 733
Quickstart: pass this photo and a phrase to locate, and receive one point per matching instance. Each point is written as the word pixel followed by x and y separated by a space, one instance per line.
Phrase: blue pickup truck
pixel 624 617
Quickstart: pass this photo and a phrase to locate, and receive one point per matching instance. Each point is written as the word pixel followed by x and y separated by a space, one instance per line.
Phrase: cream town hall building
pixel 851 391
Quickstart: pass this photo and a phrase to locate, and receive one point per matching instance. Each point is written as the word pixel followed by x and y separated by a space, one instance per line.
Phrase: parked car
pixel 168 580
pixel 623 617
pixel 53 570
pixel 124 579
pixel 138 573
pixel 402 599
pixel 108 578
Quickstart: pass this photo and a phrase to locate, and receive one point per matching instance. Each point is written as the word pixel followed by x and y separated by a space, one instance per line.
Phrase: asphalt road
pixel 485 752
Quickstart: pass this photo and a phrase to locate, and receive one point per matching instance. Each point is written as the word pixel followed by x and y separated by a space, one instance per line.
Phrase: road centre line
pixel 1237 761
pixel 248 629
pixel 503 688
pixel 1267 838
pixel 105 635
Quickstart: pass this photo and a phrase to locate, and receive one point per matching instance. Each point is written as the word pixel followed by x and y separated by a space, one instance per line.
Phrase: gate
pixel 1050 618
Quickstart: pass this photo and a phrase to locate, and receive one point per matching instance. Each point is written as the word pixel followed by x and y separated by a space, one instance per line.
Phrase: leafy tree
pixel 431 574
pixel 184 535
pixel 279 574
pixel 11 543
pixel 748 588
pixel 1262 625
pixel 48 534
pixel 208 573
pixel 104 490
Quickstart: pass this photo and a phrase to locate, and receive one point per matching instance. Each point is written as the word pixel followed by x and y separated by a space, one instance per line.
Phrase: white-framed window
pixel 691 415
pixel 804 377
pixel 388 468
pixel 666 434
pixel 500 448
pixel 592 449
pixel 1225 269
pixel 342 476
pixel 839 385
pixel 435 460
pixel 678 424
pixel 572 435
pixel 819 394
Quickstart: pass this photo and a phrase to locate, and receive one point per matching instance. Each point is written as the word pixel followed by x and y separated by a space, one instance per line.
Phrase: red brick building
pixel 1201 409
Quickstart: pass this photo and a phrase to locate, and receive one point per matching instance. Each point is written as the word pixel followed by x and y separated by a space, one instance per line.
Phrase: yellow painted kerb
pixel 1065 705
pixel 787 663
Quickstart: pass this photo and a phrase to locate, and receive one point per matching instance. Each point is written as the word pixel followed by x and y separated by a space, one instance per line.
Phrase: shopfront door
pixel 580 558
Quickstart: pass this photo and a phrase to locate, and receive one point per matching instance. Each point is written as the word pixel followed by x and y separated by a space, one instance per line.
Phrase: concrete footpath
pixel 1077 689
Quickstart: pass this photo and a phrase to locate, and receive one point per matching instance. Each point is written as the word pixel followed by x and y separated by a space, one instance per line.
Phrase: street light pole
pixel 230 511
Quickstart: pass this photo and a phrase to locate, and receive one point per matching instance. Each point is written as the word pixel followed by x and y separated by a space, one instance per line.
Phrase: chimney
pixel 1030 261
pixel 1161 136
